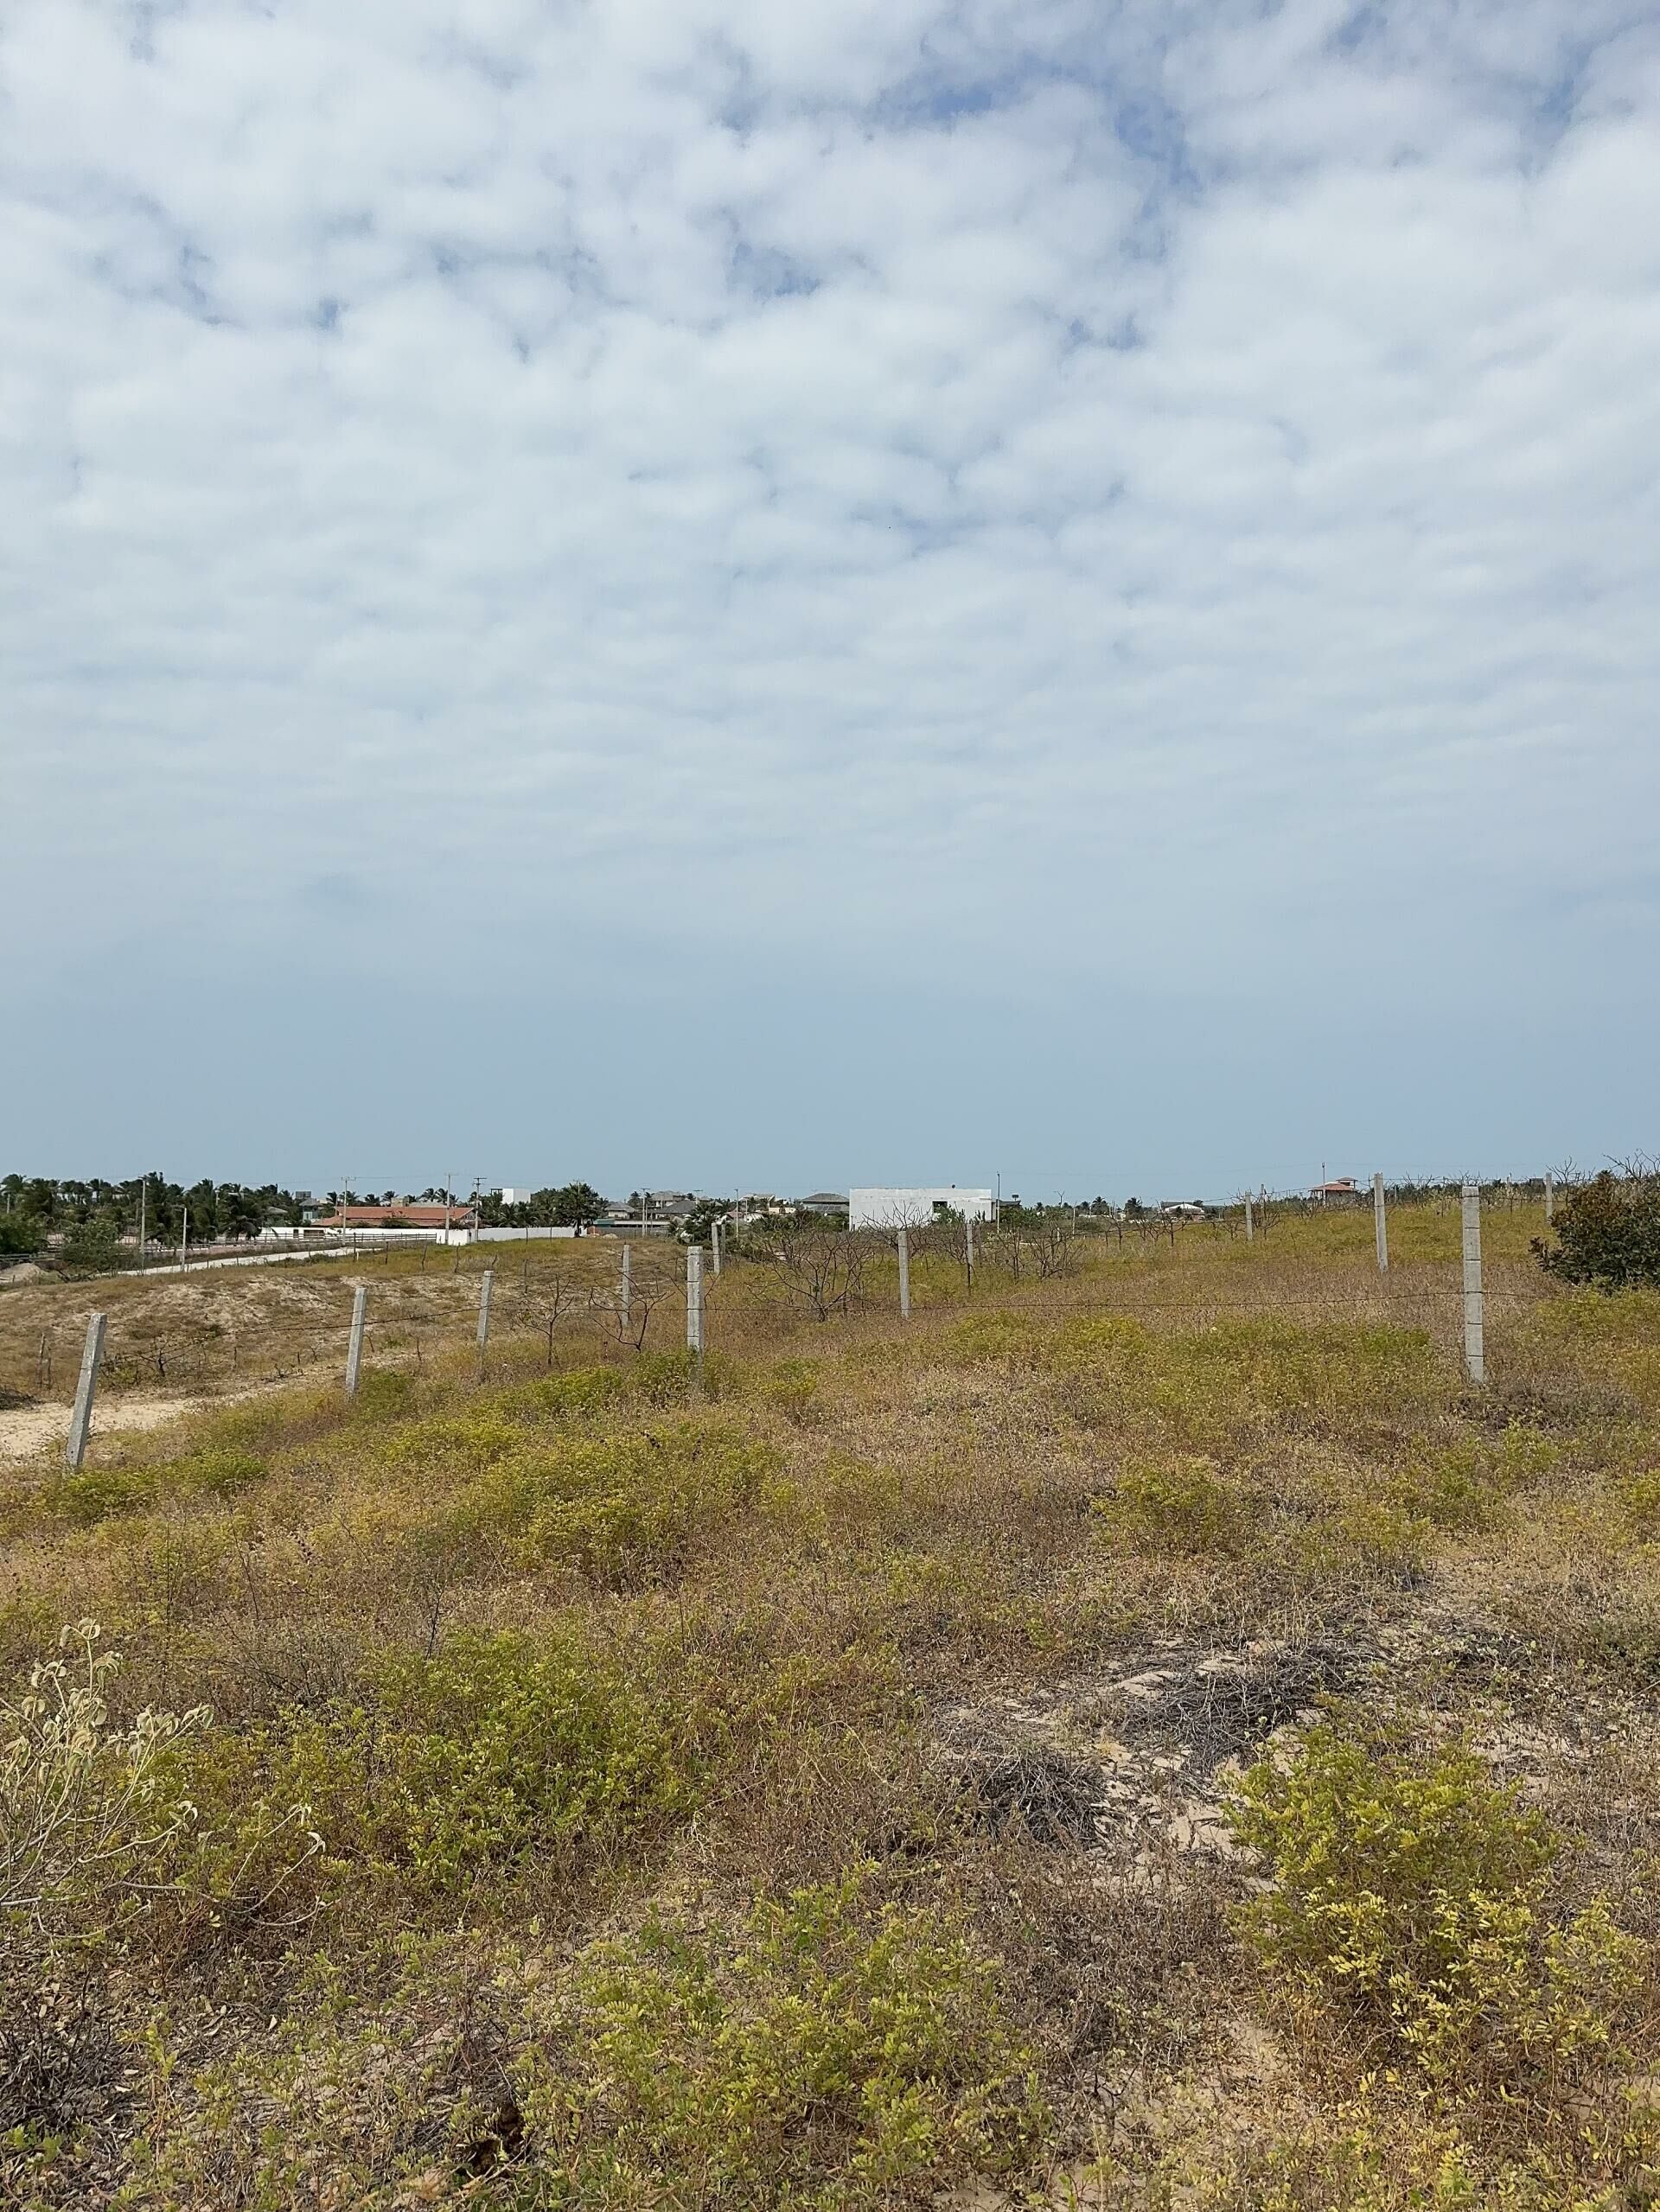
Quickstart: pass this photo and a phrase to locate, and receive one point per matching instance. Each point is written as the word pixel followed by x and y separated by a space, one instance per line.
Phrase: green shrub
pixel 97 1492
pixel 1467 1487
pixel 217 1471
pixel 384 1394
pixel 581 1391
pixel 999 1337
pixel 840 2053
pixel 398 2082
pixel 1369 1537
pixel 456 1441
pixel 1607 1233
pixel 494 1747
pixel 1172 1505
pixel 1410 1894
pixel 1639 1494
pixel 617 1508
pixel 793 1387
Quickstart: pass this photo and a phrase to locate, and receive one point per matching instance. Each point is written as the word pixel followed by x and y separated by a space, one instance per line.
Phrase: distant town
pixel 144 1220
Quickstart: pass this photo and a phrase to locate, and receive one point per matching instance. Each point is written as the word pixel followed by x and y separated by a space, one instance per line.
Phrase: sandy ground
pixel 26 1430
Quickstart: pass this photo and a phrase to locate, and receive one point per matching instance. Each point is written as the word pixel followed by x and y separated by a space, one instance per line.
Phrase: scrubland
pixel 1145 1734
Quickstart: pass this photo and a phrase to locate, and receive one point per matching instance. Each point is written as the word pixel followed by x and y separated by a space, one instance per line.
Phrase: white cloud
pixel 1115 493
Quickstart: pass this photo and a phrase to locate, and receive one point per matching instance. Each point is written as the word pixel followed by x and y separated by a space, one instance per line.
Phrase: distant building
pixel 912 1205
pixel 654 1210
pixel 828 1202
pixel 403 1216
pixel 1342 1190
pixel 1183 1209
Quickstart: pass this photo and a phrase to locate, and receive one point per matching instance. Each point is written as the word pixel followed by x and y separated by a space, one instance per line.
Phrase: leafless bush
pixel 821 1269
pixel 651 1280
pixel 555 1295
pixel 1055 1250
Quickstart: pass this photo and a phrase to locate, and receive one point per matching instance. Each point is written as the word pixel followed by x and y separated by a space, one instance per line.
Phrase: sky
pixel 872 590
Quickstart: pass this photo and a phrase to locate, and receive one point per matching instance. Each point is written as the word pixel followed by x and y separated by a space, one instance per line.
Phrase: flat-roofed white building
pixel 912 1205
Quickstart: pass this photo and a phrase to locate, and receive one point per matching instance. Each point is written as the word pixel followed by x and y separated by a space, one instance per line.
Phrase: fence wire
pixel 1213 1280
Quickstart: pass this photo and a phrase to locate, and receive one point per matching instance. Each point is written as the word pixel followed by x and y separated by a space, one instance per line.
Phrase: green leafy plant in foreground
pixel 1410 1892
pixel 448 1765
pixel 839 2054
pixel 825 2052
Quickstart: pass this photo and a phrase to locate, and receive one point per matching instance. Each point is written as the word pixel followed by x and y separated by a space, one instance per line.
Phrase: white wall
pixel 911 1205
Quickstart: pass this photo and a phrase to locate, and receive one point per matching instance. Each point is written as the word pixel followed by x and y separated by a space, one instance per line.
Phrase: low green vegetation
pixel 1100 1749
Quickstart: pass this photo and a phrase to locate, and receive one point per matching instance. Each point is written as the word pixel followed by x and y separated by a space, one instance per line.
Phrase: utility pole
pixel 144 1196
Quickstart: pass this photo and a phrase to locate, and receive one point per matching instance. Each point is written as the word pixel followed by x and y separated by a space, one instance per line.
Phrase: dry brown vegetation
pixel 1147 1733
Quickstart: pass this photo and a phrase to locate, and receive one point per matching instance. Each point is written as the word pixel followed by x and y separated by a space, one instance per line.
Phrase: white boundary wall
pixel 517 1236
pixel 911 1205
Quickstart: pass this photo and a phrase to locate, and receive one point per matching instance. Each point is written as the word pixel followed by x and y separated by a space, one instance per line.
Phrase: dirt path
pixel 26 1430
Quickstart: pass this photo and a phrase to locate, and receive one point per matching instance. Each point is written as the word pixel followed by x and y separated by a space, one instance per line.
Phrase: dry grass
pixel 850 1737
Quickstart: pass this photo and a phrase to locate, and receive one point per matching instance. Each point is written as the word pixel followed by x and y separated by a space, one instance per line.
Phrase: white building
pixel 911 1207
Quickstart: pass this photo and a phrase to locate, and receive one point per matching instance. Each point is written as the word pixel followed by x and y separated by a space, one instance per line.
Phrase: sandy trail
pixel 27 1429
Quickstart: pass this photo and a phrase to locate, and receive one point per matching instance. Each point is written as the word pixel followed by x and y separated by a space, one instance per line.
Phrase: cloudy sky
pixel 709 591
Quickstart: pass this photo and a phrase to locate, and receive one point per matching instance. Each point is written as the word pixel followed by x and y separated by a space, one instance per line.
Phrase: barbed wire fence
pixel 1159 1268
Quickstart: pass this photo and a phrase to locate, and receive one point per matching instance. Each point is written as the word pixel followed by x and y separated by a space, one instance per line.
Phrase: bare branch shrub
pixel 821 1269
pixel 651 1279
pixel 557 1294
pixel 1055 1250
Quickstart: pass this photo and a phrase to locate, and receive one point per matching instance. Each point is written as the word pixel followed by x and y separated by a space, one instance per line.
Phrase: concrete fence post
pixel 80 1422
pixel 486 1285
pixel 625 1285
pixel 904 1274
pixel 355 1344
pixel 1551 1198
pixel 968 1234
pixel 1250 1220
pixel 694 1302
pixel 1475 1359
pixel 1381 1215
pixel 714 1244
